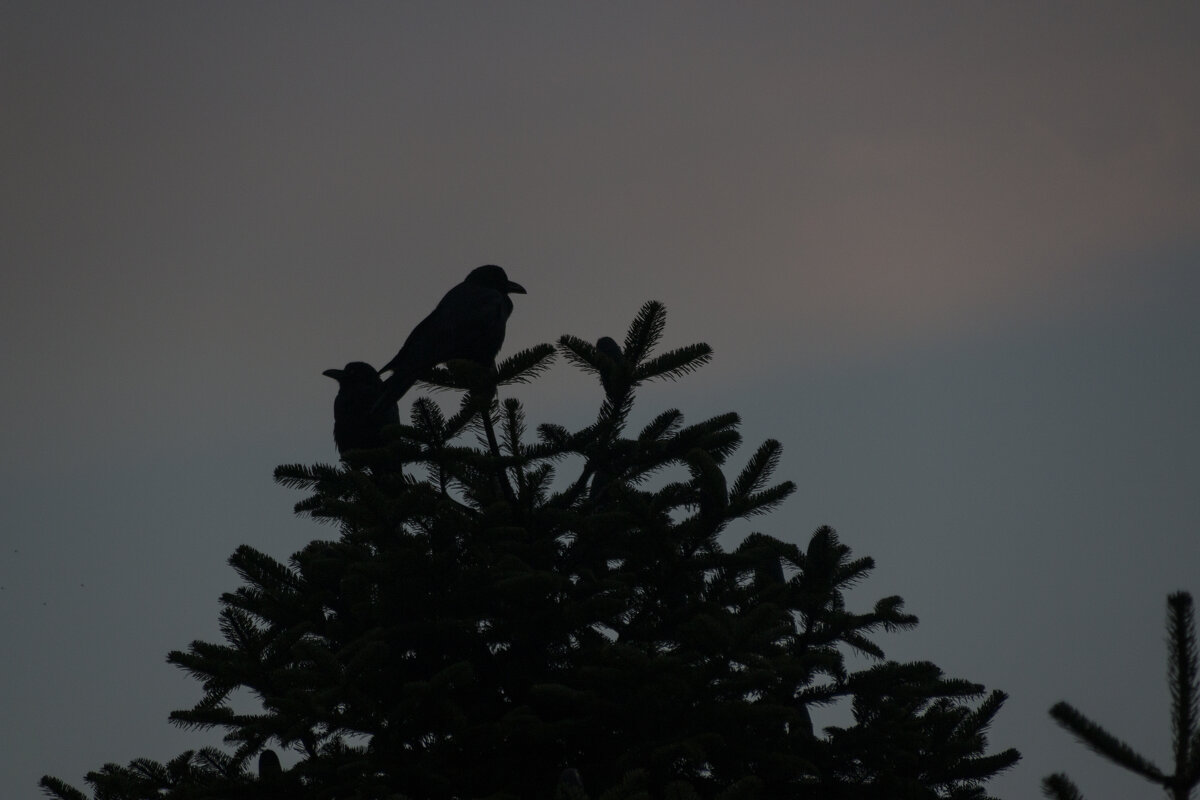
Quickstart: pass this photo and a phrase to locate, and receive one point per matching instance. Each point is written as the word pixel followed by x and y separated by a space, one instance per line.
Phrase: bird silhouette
pixel 468 323
pixel 358 417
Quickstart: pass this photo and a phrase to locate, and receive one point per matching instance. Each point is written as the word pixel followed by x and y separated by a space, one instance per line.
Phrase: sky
pixel 946 253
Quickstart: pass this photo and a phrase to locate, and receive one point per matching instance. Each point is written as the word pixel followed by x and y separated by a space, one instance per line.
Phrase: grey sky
pixel 946 253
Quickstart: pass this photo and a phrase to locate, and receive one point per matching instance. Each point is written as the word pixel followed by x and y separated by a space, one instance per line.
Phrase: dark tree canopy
pixel 507 614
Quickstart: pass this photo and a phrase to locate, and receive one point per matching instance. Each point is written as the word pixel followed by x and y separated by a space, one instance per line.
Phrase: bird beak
pixel 336 374
pixel 514 288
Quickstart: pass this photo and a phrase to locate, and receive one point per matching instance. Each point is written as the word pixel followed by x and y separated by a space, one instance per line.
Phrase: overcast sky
pixel 946 253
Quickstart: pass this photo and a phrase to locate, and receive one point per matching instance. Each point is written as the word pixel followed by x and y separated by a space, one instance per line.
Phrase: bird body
pixel 469 323
pixel 358 417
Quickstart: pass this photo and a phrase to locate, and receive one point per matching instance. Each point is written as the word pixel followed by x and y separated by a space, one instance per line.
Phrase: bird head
pixel 494 277
pixel 354 372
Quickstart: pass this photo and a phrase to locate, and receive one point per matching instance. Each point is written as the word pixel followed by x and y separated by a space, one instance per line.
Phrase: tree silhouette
pixel 508 618
pixel 1185 734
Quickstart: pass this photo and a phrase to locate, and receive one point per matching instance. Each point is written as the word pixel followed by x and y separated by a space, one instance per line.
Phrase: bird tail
pixel 394 387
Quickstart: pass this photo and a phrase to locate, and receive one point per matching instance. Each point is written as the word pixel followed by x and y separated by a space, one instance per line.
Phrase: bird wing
pixel 477 319
pixel 468 323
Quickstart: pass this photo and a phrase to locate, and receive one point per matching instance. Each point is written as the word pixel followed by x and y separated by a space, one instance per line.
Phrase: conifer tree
pixel 507 616
pixel 1185 732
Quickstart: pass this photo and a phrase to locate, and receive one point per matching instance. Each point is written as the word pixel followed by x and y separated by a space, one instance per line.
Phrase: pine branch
pixel 717 436
pixel 556 437
pixel 662 427
pixel 199 662
pixel 302 476
pixel 890 611
pixel 1059 787
pixel 203 718
pixel 240 631
pixel 1193 773
pixel 862 644
pixel 213 760
pixel 849 573
pixel 1181 675
pixel 428 421
pixel 645 331
pixel 972 770
pixel 581 353
pixel 59 790
pixel 525 366
pixel 970 735
pixel 825 553
pixel 312 505
pixel 760 502
pixel 261 570
pixel 758 469
pixel 1104 743
pixel 513 429
pixel 674 364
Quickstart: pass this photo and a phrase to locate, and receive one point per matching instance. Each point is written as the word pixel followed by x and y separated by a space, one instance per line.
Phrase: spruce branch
pixel 428 422
pixel 973 770
pixel 59 790
pixel 644 332
pixel 1059 787
pixel 525 366
pixel 675 364
pixel 1181 676
pixel 662 427
pixel 1104 743
pixel 760 502
pixel 758 469
pixel 1193 773
pixel 513 428
pixel 581 353
pixel 302 476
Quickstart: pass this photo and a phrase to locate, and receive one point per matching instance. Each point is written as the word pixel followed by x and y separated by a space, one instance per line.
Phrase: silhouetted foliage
pixel 1185 734
pixel 555 616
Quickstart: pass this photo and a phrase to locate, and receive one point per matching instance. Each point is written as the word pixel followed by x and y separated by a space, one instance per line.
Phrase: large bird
pixel 358 417
pixel 467 324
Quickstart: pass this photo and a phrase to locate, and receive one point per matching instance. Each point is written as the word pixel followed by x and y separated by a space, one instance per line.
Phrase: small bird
pixel 358 418
pixel 468 323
